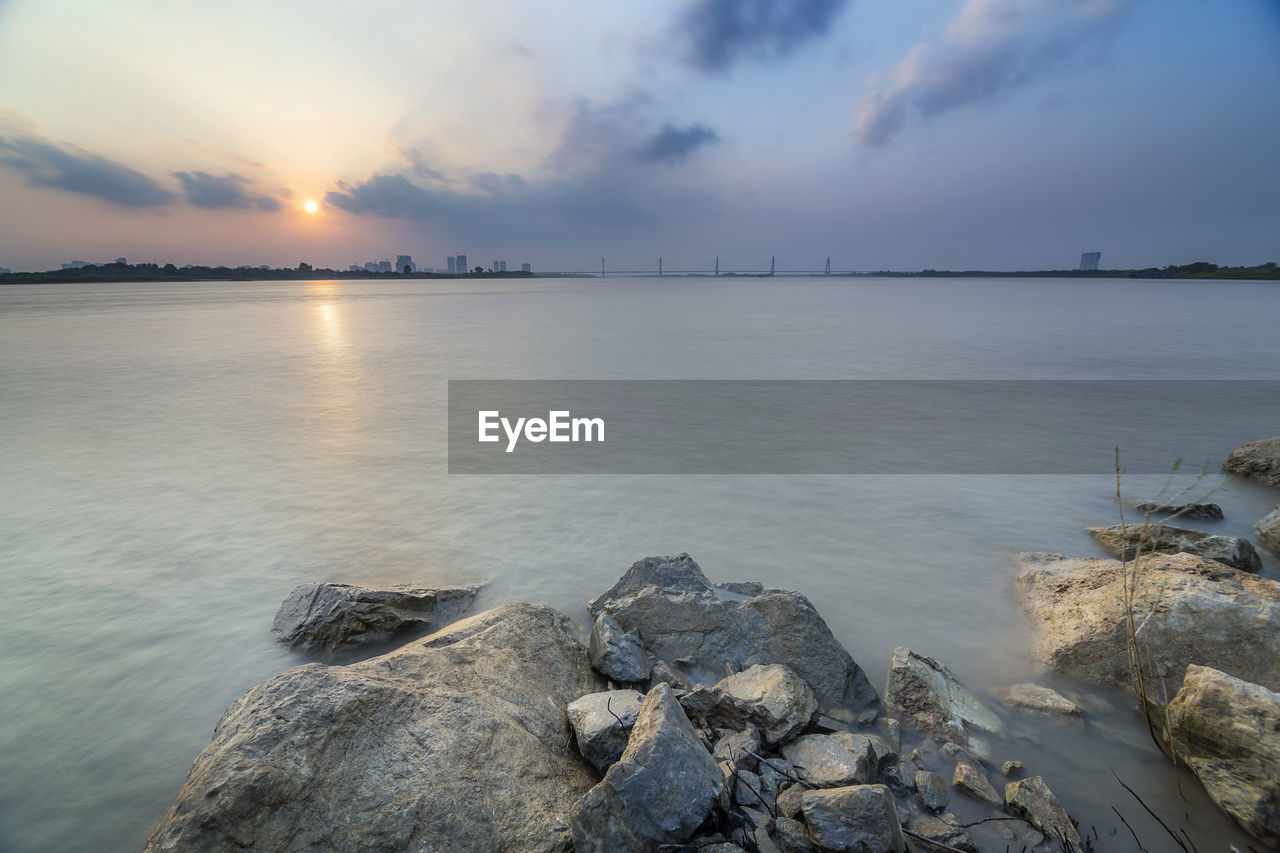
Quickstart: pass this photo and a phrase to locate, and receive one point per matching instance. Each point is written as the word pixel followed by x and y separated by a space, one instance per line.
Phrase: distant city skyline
pixel 951 134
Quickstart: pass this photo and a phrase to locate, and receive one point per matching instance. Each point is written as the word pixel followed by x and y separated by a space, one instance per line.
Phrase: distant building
pixel 5 271
pixel 526 268
pixel 75 265
pixel 452 271
pixel 384 266
pixel 370 267
pixel 461 263
pixel 404 264
pixel 121 261
pixel 1089 260
pixel 355 268
pixel 499 266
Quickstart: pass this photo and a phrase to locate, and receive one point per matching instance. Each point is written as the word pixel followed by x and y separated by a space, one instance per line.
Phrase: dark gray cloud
pixel 215 193
pixel 991 46
pixel 420 166
pixel 674 144
pixel 719 33
pixel 46 164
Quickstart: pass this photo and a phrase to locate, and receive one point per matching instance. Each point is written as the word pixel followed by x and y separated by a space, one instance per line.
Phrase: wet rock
pixel 944 829
pixel 1259 460
pixel 1022 834
pixel 900 776
pixel 1032 799
pixel 617 653
pixel 602 723
pixel 768 697
pixel 396 751
pixel 682 617
pixel 892 732
pixel 659 791
pixel 828 761
pixel 970 780
pixel 955 753
pixel 1010 768
pixel 856 818
pixel 1133 539
pixel 1201 612
pixel 332 615
pixel 1228 732
pixel 926 696
pixel 1268 530
pixel 1033 697
pixel 932 789
pixel 1209 512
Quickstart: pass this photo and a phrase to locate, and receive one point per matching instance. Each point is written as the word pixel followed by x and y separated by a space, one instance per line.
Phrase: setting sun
pixel 311 206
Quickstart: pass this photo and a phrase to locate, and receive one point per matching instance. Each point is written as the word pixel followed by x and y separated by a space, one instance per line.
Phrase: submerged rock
pixel 1195 611
pixel 1268 530
pixel 457 741
pixel 1259 460
pixel 1133 539
pixel 659 791
pixel 1032 799
pixel 1210 512
pixel 926 696
pixel 945 829
pixel 859 818
pixel 970 779
pixel 712 630
pixel 602 723
pixel 1033 697
pixel 330 615
pixel 1228 732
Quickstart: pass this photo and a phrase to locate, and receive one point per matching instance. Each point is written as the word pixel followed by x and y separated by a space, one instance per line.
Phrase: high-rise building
pixel 404 264
pixel 384 266
pixel 461 263
pixel 499 266
pixel 452 271
pixel 1089 260
pixel 526 268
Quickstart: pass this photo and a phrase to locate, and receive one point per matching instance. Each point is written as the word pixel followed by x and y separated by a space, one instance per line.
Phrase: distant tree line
pixel 170 272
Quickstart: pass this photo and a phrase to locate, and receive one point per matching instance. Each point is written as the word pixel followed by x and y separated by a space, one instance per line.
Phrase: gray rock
pixel 658 792
pixel 617 653
pixel 682 617
pixel 1010 768
pixel 944 829
pixel 970 779
pixel 768 697
pixel 665 672
pixel 1019 832
pixel 1032 799
pixel 400 750
pixel 1268 530
pixel 828 761
pixel 1210 512
pixel 790 800
pixel 331 615
pixel 1228 732
pixel 859 818
pixel 1200 612
pixel 602 723
pixel 892 733
pixel 739 749
pixel 1135 539
pixel 900 776
pixel 932 789
pixel 1259 460
pixel 926 696
pixel 749 791
pixel 793 836
pixel 955 753
pixel 1033 697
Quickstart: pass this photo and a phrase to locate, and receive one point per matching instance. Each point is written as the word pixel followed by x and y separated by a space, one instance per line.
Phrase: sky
pixel 884 134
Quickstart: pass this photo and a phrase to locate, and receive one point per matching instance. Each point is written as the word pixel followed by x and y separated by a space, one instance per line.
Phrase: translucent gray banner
pixel 851 427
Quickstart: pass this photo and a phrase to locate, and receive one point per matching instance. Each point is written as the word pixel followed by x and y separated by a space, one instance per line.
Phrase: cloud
pixel 674 145
pixel 213 193
pixel 420 166
pixel 718 33
pixel 46 164
pixel 990 46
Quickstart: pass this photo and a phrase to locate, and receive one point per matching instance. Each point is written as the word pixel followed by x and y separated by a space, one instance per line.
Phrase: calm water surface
pixel 177 457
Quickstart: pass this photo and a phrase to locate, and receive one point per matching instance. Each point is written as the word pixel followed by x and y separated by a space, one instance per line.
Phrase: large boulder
pixel 926 696
pixel 1132 539
pixel 457 741
pixel 1194 611
pixel 768 697
pixel 330 615
pixel 1228 732
pixel 1268 530
pixel 1211 512
pixel 858 818
pixel 1257 459
pixel 658 792
pixel 712 630
pixel 829 761
pixel 617 653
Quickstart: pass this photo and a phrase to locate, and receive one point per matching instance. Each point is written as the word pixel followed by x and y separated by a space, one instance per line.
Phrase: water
pixel 178 456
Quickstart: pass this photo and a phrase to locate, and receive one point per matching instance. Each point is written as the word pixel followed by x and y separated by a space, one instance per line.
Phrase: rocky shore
pixel 724 717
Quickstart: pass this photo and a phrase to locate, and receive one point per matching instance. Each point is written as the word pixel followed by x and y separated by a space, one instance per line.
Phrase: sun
pixel 311 206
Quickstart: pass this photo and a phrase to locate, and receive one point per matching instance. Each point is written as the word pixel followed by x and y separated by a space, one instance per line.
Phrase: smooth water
pixel 176 457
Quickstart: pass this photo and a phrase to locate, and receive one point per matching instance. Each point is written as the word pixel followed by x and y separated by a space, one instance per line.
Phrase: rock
pixel 457 741
pixel 663 671
pixel 858 818
pixel 793 836
pixel 1228 732
pixel 926 696
pixel 944 829
pixel 767 697
pixel 776 773
pixel 892 733
pixel 330 615
pixel 900 776
pixel 764 843
pixel 1167 539
pixel 749 791
pixel 1259 460
pixel 659 791
pixel 932 789
pixel 682 617
pixel 791 800
pixel 1210 512
pixel 1033 697
pixel 602 722
pixel 1268 530
pixel 828 761
pixel 1019 832
pixel 1009 768
pixel 738 749
pixel 719 847
pixel 1032 799
pixel 970 779
pixel 955 753
pixel 617 653
pixel 1200 612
